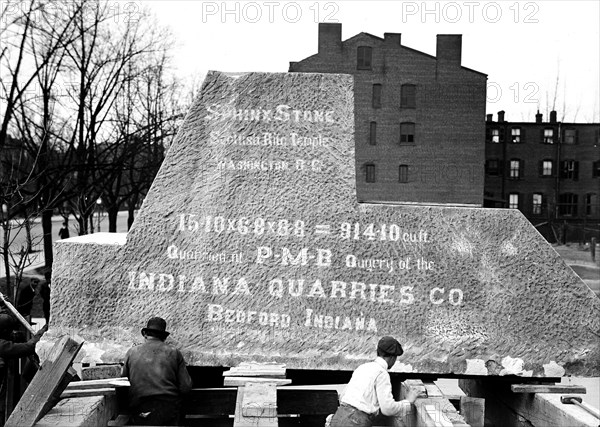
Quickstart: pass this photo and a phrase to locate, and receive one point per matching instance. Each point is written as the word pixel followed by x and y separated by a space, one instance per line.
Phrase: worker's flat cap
pixel 390 346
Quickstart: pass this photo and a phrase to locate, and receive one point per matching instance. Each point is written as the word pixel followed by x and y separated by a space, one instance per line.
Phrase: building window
pixel 513 201
pixel 363 57
pixel 408 96
pixel 596 169
pixel 567 204
pixel 570 136
pixel 516 169
pixel 515 134
pixel 370 172
pixel 376 96
pixel 373 133
pixel 546 168
pixel 537 201
pixel 407 133
pixel 590 204
pixel 403 173
pixel 492 167
pixel 569 169
pixel 548 136
pixel 495 136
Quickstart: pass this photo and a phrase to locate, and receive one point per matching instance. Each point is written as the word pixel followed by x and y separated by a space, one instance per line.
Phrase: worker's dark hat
pixel 157 325
pixel 6 321
pixel 390 346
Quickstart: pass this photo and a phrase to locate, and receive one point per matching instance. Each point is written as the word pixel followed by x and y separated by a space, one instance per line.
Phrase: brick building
pixel 419 119
pixel 548 170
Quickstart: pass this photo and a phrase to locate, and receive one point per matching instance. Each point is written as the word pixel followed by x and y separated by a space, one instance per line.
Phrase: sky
pixel 537 54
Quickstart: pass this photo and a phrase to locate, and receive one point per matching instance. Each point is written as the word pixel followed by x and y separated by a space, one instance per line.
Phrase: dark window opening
pixel 364 57
pixel 408 96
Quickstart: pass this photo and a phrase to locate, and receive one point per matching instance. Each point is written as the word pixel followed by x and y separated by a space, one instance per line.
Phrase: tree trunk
pixel 28 232
pixel 5 248
pixel 82 221
pixel 113 212
pixel 47 230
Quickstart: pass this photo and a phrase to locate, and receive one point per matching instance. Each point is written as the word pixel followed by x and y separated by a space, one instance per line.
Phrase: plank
pixel 90 384
pixel 254 369
pixel 548 388
pixel 473 410
pixel 243 406
pixel 46 384
pixel 241 381
pixel 503 407
pixel 88 392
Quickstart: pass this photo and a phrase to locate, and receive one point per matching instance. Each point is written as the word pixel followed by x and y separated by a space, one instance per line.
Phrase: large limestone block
pixel 251 244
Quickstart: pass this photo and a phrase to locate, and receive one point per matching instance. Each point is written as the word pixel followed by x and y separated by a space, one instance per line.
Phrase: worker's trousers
pixel 349 416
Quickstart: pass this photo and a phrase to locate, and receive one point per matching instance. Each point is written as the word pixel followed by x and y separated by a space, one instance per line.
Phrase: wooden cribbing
pixel 256 405
pixel 429 411
pixel 548 388
pixel 46 384
pixel 503 407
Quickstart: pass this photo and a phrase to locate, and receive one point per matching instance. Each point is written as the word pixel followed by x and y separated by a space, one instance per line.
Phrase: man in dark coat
pixel 12 350
pixel 158 377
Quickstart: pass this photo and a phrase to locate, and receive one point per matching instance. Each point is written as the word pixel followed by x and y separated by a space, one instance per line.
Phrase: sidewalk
pixel 36 258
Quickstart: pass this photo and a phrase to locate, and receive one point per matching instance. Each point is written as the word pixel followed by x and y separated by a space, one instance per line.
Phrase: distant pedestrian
pixel 63 233
pixel 158 378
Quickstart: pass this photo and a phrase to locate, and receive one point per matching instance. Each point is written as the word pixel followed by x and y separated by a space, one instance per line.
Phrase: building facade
pixel 418 118
pixel 549 170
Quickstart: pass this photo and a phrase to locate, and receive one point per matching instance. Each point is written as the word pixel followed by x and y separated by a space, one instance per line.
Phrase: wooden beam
pixel 473 410
pixel 256 406
pixel 428 411
pixel 79 412
pixel 306 401
pixel 503 407
pixel 210 401
pixel 46 384
pixel 548 388
pixel 88 392
pixel 82 385
pixel 241 381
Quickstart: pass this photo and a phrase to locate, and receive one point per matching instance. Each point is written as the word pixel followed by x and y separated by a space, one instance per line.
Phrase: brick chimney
pixel 552 116
pixel 392 39
pixel 449 48
pixel 330 38
pixel 500 116
pixel 538 117
pixel 488 118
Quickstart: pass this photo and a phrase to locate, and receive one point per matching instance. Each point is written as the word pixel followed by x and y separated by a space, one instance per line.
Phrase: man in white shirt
pixel 370 390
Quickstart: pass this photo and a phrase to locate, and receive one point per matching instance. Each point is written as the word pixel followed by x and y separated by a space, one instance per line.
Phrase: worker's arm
pixel 11 350
pixel 387 404
pixel 183 376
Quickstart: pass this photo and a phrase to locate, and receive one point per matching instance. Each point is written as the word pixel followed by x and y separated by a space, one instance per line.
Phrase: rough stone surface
pixel 280 263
